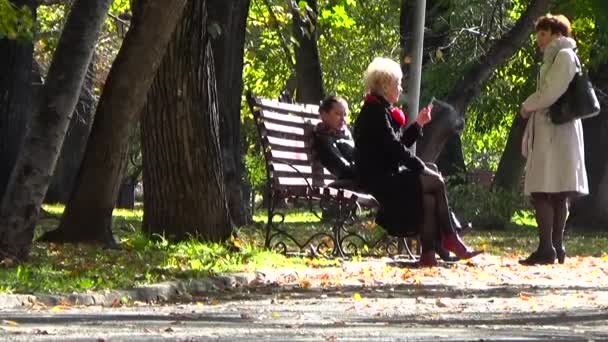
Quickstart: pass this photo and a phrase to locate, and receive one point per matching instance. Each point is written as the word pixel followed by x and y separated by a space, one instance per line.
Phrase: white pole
pixel 413 88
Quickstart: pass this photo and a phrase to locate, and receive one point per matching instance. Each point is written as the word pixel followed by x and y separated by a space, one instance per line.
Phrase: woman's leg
pixel 560 213
pixel 545 253
pixel 544 218
pixel 435 187
pixel 428 232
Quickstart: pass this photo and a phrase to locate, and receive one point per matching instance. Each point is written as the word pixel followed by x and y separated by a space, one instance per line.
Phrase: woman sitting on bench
pixel 412 196
pixel 334 147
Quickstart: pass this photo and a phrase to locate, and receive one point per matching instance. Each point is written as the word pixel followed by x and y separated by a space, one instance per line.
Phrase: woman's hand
pixel 424 116
pixel 429 172
pixel 524 112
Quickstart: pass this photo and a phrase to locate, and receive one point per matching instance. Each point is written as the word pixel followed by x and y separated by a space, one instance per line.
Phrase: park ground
pixel 195 292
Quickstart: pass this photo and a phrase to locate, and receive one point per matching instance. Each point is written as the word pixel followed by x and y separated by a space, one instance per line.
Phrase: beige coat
pixel 555 153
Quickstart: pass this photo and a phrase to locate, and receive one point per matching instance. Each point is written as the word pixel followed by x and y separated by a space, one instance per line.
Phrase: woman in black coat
pixel 411 195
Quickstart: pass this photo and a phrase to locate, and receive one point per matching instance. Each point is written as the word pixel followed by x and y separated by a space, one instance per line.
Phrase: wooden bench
pixel 285 131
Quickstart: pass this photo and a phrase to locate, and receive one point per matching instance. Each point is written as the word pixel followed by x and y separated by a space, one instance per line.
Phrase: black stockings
pixel 551 212
pixel 436 211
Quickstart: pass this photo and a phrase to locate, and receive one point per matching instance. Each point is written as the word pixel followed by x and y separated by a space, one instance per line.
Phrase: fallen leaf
pixel 357 297
pixel 10 323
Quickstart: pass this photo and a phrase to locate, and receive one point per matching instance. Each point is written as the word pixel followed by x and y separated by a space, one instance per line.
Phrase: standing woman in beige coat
pixel 555 167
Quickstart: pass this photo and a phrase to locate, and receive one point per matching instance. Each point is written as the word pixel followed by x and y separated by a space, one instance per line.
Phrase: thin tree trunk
pixel 183 173
pixel 512 163
pixel 88 215
pixel 308 64
pixel 32 173
pixel 74 144
pixel 231 17
pixel 15 97
pixel 438 132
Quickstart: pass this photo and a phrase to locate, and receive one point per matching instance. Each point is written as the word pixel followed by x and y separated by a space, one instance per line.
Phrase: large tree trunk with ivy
pixel 230 17
pixel 438 132
pixel 34 167
pixel 185 194
pixel 88 214
pixel 74 143
pixel 591 212
pixel 15 97
pixel 308 64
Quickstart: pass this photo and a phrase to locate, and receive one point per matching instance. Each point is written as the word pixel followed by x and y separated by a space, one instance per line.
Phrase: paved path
pixel 424 305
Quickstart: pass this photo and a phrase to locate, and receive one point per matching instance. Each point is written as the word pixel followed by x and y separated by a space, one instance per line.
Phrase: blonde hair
pixel 380 72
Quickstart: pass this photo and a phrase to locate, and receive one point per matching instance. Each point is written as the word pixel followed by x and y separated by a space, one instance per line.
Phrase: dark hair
pixel 328 103
pixel 557 23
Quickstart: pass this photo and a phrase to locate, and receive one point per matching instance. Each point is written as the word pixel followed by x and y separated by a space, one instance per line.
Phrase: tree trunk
pixel 308 63
pixel 231 17
pixel 34 167
pixel 126 194
pixel 74 143
pixel 96 189
pixel 437 132
pixel 15 97
pixel 591 212
pixel 183 173
pixel 512 163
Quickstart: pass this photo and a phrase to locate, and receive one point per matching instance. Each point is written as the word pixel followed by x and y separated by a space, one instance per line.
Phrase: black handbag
pixel 578 102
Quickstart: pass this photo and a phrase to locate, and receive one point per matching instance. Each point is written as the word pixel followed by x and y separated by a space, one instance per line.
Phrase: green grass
pixel 67 268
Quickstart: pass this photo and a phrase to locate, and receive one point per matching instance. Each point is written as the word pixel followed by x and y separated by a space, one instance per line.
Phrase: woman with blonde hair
pixel 555 166
pixel 412 196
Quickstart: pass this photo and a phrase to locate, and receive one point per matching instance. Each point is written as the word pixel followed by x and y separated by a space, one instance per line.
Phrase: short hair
pixel 379 73
pixel 328 103
pixel 554 23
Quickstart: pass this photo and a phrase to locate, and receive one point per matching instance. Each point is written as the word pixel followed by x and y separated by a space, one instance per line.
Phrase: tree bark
pixel 470 84
pixel 591 212
pixel 92 200
pixel 183 174
pixel 231 17
pixel 33 170
pixel 308 64
pixel 512 163
pixel 16 58
pixel 74 143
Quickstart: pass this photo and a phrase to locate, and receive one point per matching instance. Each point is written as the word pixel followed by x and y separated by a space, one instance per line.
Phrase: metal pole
pixel 413 88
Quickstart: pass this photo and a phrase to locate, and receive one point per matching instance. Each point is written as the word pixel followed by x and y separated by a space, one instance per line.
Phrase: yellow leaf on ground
pixel 11 323
pixel 357 296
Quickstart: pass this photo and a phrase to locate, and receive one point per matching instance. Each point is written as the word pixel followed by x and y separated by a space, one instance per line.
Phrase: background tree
pixel 16 58
pixel 88 214
pixel 183 174
pixel 228 20
pixel 31 176
pixel 308 63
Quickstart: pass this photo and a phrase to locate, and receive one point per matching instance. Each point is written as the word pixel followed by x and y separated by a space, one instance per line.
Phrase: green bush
pixel 486 208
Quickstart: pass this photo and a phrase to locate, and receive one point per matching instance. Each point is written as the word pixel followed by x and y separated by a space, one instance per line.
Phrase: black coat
pixel 335 151
pixel 387 169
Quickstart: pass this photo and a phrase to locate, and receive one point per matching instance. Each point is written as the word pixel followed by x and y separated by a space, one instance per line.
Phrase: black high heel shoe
pixel 540 258
pixel 560 254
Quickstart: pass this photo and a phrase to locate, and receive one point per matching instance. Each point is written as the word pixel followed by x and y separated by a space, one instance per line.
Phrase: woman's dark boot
pixel 453 243
pixel 538 257
pixel 444 254
pixel 560 253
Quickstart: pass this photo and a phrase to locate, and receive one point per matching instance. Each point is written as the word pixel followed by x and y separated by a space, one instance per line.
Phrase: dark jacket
pixel 387 169
pixel 382 147
pixel 335 150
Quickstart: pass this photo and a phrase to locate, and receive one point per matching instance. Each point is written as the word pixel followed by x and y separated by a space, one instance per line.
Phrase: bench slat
pixel 289 118
pixel 289 155
pixel 283 128
pixel 299 181
pixel 286 142
pixel 305 169
pixel 307 109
